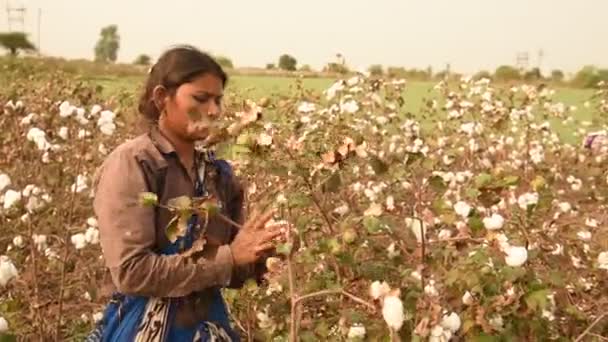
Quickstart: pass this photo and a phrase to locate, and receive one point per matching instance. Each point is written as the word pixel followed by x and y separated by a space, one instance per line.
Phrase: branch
pixel 342 292
pixel 457 239
pixel 580 337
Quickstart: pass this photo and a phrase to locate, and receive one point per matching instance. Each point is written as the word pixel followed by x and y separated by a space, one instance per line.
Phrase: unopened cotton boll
pixel 392 312
pixel 516 256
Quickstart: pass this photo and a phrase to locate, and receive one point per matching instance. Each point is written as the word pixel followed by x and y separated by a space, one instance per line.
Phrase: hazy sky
pixel 469 34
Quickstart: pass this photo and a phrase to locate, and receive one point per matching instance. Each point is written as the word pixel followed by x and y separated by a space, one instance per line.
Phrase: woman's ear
pixel 159 96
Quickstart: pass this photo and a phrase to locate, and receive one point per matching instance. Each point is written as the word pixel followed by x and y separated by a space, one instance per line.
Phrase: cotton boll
pixel 92 222
pixel 5 181
pixel 18 241
pixel 379 289
pixel 467 298
pixel 356 332
pixel 3 325
pixel 494 222
pixel 92 236
pixel 63 133
pixel 97 317
pixel 516 256
pixel 462 209
pixel 451 322
pixel 11 198
pixel 79 241
pixel 392 312
pixel 8 271
pixel 602 260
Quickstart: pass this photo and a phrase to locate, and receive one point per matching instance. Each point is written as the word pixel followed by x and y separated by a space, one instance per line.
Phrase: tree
pixel 224 61
pixel 270 66
pixel 533 75
pixel 336 68
pixel 557 76
pixel 287 62
pixel 143 59
pixel 587 77
pixel 376 70
pixel 506 73
pixel 306 68
pixel 482 74
pixel 106 49
pixel 15 41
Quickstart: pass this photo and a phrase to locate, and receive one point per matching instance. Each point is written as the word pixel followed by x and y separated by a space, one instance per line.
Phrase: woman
pixel 160 294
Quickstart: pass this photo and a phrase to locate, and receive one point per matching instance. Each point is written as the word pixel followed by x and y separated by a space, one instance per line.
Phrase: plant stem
pixel 292 295
pixel 331 292
pixel 66 252
pixel 580 337
pixel 36 306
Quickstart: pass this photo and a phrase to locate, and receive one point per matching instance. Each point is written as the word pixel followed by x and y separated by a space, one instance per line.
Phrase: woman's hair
pixel 178 65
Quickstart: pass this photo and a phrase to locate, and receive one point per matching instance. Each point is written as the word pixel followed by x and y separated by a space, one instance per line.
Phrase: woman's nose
pixel 213 109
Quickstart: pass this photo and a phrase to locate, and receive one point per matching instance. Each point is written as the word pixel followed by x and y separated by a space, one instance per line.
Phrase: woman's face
pixel 194 107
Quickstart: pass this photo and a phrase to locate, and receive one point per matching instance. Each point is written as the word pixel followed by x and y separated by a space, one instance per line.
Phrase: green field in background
pixel 256 87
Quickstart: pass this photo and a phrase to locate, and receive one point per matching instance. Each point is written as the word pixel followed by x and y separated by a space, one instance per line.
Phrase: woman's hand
pixel 255 238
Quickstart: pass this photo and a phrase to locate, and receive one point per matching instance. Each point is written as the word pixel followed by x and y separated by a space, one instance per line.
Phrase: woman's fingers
pixel 264 247
pixel 264 218
pixel 272 234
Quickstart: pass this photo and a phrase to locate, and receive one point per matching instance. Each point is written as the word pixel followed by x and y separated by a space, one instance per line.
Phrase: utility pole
pixel 541 55
pixel 521 60
pixel 38 36
pixel 15 15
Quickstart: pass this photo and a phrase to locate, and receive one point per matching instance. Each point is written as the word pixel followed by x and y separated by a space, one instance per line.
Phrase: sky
pixel 470 35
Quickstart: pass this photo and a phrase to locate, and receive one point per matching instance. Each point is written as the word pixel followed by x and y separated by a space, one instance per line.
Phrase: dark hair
pixel 176 66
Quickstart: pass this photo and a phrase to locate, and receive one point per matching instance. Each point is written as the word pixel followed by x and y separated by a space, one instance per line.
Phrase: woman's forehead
pixel 207 83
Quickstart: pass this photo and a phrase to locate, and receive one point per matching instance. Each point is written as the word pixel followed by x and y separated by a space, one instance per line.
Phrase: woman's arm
pixel 128 235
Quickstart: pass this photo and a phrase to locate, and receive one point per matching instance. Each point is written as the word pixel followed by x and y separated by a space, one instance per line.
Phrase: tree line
pixel 107 47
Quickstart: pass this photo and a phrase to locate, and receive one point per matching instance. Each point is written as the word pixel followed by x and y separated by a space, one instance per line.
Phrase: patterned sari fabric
pixel 136 318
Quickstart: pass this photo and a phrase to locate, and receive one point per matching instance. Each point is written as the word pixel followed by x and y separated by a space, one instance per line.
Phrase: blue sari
pixel 125 315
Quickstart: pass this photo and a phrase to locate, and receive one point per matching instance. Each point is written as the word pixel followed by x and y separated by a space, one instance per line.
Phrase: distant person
pixel 158 293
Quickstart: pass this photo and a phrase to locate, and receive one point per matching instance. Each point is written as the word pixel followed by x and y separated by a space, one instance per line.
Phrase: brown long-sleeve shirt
pixel 131 234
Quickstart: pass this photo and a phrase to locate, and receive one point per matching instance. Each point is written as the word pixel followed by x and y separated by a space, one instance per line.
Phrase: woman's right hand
pixel 255 238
